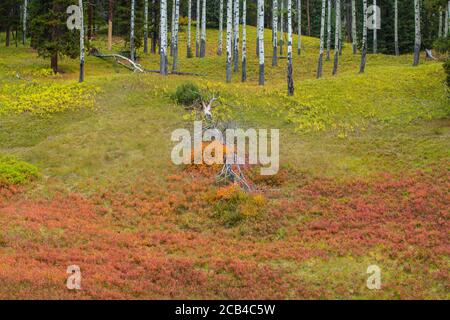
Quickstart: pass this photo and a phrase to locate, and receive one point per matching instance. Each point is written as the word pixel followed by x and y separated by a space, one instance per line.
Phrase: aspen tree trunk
pixel 354 34
pixel 417 42
pixel 175 37
pixel 163 38
pixel 9 31
pixel 80 3
pixel 397 51
pixel 340 28
pixel 146 26
pixel 54 63
pixel 337 35
pixel 364 39
pixel 172 25
pixel 375 40
pixel 290 81
pixel 309 18
pixel 188 49
pixel 322 40
pixel 236 36
pixel 220 44
pixel 132 31
pixel 24 25
pixel 329 31
pixel 274 31
pixel 52 34
pixel 447 17
pixel 197 30
pixel 281 26
pixel 261 41
pixel 257 28
pixel 110 24
pixel 229 30
pixel 244 40
pixel 203 33
pixel 440 23
pixel 299 26
pixel 7 39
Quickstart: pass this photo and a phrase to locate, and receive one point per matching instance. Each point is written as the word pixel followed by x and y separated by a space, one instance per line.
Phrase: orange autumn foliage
pixel 210 147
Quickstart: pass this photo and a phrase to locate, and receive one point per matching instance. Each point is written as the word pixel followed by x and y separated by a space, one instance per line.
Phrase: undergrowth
pixel 14 171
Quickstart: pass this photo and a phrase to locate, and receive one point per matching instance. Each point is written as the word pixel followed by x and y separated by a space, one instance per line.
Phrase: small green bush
pixel 14 171
pixel 187 94
pixel 442 45
pixel 447 70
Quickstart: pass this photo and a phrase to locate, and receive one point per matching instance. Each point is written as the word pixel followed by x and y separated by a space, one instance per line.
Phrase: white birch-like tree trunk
pixel 375 31
pixel 440 23
pixel 342 17
pixel 172 26
pixel 220 43
pixel 175 37
pixel 80 3
pixel 163 38
pixel 447 22
pixel 290 80
pixel 146 26
pixel 329 31
pixel 322 40
pixel 299 26
pixel 261 40
pixel 203 33
pixel 132 31
pixel 354 34
pixel 397 50
pixel 274 31
pixel 188 48
pixel 229 30
pixel 110 24
pixel 418 40
pixel 236 36
pixel 337 36
pixel 24 22
pixel 244 40
pixel 257 28
pixel 362 67
pixel 197 30
pixel 281 26
pixel 308 16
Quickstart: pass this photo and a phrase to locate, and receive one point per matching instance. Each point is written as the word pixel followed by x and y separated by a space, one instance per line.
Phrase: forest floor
pixel 364 180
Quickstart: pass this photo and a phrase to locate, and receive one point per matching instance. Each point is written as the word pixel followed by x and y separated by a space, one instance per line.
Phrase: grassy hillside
pixel 363 180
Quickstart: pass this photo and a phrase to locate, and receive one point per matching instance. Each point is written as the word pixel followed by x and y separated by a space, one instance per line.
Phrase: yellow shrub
pixel 47 98
pixel 233 205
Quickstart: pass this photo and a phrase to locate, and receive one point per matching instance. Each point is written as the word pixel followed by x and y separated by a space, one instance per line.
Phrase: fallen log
pixel 133 66
pixel 178 73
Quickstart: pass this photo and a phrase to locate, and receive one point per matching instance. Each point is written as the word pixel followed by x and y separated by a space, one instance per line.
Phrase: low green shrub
pixel 447 70
pixel 187 94
pixel 442 45
pixel 14 171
